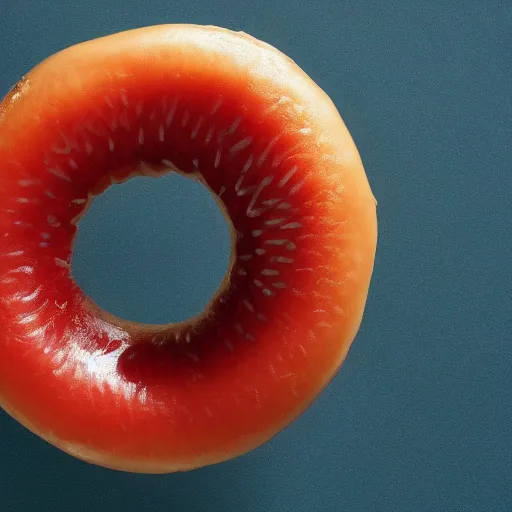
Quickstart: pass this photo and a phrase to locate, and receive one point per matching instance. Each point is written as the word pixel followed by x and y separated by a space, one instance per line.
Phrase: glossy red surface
pixel 248 123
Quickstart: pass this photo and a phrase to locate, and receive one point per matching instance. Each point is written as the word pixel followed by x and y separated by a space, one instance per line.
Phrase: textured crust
pixel 43 98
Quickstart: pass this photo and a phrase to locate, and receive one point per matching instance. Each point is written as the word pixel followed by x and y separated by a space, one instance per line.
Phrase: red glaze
pixel 243 119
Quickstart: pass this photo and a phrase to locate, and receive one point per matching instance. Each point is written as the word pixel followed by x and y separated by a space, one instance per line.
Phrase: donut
pixel 244 120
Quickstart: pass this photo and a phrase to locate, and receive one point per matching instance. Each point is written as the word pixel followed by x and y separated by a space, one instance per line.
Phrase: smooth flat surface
pixel 419 417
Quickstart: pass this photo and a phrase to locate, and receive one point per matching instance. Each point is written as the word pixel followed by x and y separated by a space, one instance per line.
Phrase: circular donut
pixel 243 119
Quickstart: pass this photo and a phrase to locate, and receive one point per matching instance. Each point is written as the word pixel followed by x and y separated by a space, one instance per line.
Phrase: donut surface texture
pixel 243 119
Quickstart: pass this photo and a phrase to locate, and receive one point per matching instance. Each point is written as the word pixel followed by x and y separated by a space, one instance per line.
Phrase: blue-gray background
pixel 420 416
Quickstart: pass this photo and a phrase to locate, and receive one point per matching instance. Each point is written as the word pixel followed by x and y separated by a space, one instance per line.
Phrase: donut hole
pixel 152 251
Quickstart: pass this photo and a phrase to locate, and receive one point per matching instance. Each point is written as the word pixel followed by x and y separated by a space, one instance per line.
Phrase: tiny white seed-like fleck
pixel 56 171
pixel 52 221
pixel 239 146
pixel 266 151
pixel 61 263
pixel 28 183
pixel 14 253
pixel 276 242
pixel 217 159
pixel 274 222
pixel 216 106
pixel 25 269
pixel 287 177
pixel 248 305
pixel 291 225
pixel 209 135
pixel 282 259
pixel 196 128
